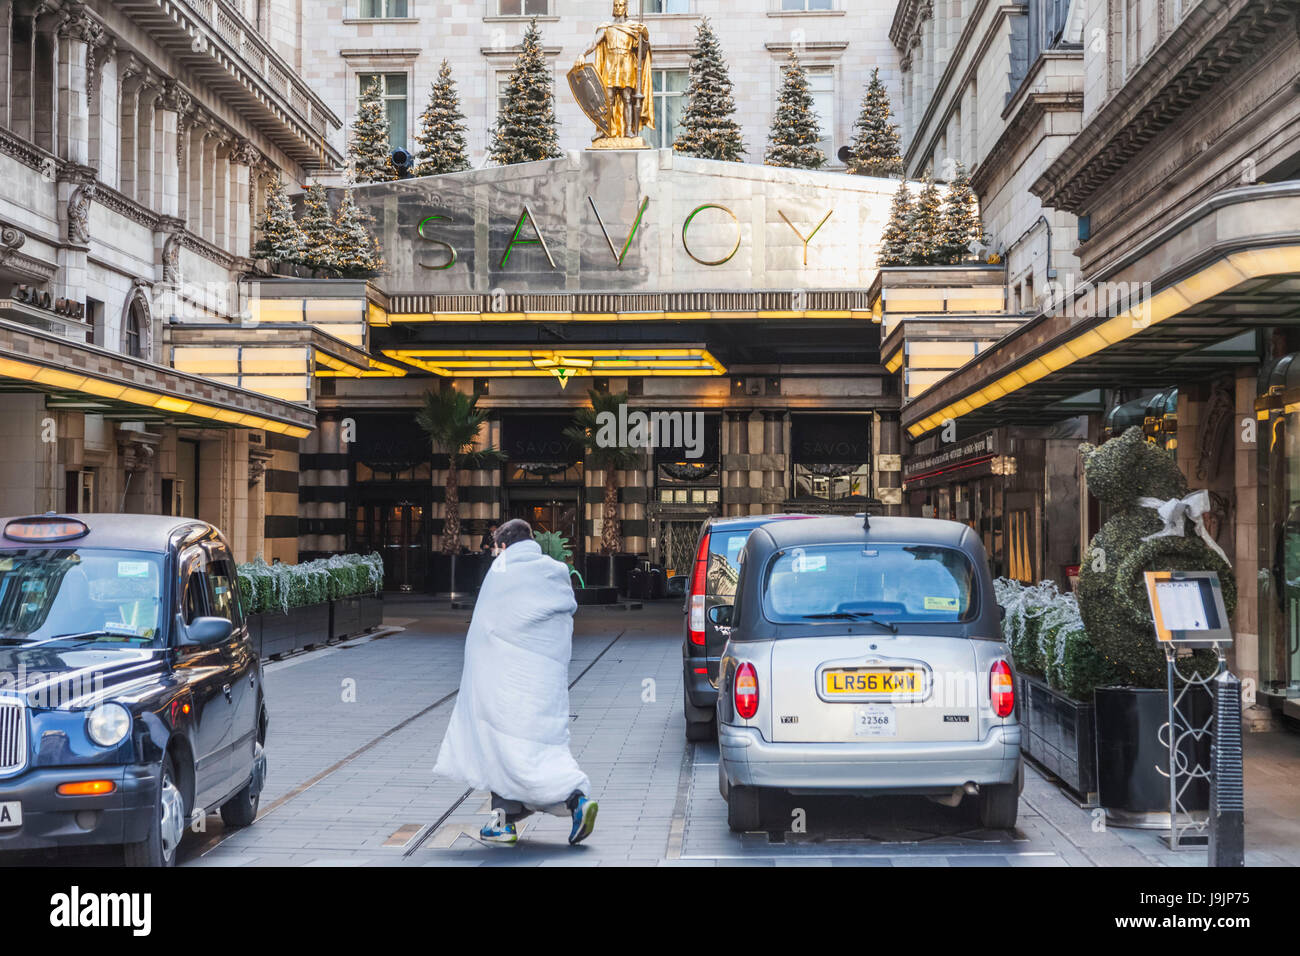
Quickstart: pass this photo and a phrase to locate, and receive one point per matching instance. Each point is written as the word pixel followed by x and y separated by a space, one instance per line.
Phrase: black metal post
pixel 1227 784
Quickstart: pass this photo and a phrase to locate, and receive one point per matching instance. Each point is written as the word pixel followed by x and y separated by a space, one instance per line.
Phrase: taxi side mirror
pixel 206 631
pixel 720 614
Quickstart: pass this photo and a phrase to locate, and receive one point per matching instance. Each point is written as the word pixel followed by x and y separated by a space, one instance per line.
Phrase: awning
pixel 1185 304
pixel 100 382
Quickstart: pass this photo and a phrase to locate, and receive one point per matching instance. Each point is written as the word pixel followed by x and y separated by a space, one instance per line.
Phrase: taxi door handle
pixel 225 689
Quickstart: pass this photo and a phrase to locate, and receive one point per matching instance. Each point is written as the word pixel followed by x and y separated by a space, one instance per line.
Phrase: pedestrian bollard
pixel 1227 787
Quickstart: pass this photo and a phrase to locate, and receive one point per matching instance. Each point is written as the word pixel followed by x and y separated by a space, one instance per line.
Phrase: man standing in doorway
pixel 509 730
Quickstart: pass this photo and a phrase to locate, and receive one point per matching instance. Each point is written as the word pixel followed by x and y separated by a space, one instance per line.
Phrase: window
pixel 223 592
pixel 668 89
pixel 381 9
pixel 806 4
pixel 667 6
pixel 821 83
pixel 132 342
pixel 503 79
pixel 392 87
pixel 94 320
pixel 524 8
pixel 883 582
pixel 107 595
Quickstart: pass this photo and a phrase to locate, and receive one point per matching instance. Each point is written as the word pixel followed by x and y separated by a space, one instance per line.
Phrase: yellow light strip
pixel 1211 281
pixel 66 381
pixel 518 362
pixel 407 317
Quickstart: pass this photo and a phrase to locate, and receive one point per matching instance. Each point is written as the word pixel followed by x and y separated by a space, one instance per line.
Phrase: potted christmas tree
pixel 796 132
pixel 708 125
pixel 525 127
pixel 875 148
pixel 441 139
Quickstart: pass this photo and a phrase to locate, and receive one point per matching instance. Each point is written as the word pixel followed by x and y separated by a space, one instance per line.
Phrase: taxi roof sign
pixel 42 528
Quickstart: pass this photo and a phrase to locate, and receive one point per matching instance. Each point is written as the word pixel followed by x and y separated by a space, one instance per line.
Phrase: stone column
pixel 144 141
pixel 130 77
pixel 197 184
pixel 242 158
pixel 170 105
pixel 221 193
pixel 77 33
pixel 889 467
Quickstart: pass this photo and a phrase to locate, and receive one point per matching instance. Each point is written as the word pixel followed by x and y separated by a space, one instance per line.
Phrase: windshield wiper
pixel 866 616
pixel 14 641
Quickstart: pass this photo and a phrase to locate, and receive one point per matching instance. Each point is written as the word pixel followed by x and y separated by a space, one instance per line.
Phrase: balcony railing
pixel 258 56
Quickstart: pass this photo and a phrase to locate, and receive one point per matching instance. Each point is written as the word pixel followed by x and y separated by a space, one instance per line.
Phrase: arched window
pixel 132 337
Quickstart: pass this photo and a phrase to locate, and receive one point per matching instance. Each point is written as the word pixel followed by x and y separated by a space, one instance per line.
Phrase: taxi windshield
pixel 86 594
pixel 884 582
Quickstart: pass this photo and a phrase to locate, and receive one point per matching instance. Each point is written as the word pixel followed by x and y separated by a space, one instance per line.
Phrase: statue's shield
pixel 591 95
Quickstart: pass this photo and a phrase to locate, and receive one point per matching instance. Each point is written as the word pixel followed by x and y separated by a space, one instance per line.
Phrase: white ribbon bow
pixel 1172 512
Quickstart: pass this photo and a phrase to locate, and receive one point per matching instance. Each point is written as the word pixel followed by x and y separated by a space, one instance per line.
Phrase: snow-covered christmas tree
pixel 318 228
pixel 525 127
pixel 893 245
pixel 923 224
pixel 282 239
pixel 356 252
pixel 796 132
pixel 960 224
pixel 875 150
pixel 441 139
pixel 708 125
pixel 368 148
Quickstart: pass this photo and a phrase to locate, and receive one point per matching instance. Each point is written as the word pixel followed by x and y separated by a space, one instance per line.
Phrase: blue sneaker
pixel 505 835
pixel 584 820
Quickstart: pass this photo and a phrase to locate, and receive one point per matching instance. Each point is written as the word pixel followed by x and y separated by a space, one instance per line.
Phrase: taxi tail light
pixel 1002 689
pixel 87 788
pixel 746 690
pixel 695 600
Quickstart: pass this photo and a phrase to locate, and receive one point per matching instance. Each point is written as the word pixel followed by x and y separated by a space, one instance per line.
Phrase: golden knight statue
pixel 614 88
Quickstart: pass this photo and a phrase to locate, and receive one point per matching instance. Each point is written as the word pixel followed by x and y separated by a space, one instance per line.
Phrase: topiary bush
pixel 1112 590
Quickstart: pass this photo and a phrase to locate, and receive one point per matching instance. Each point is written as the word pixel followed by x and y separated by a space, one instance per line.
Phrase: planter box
pixel 280 632
pixel 356 614
pixel 1130 749
pixel 588 596
pixel 1057 732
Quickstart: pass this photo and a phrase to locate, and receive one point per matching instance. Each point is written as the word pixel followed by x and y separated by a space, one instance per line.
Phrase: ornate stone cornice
pixel 110 198
pixel 244 153
pixel 1207 45
pixel 77 24
pixel 11 240
pixel 20 149
pixel 173 98
pixel 79 213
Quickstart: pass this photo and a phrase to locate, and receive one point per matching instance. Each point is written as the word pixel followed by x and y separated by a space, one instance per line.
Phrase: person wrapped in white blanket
pixel 509 730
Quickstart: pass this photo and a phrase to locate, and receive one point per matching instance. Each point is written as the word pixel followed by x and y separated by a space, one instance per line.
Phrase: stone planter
pixel 1057 732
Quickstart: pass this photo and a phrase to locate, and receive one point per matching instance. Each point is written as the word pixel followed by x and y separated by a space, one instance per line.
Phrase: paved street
pixel 356 727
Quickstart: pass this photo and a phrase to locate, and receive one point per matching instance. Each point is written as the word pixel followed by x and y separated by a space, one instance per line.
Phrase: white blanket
pixel 509 731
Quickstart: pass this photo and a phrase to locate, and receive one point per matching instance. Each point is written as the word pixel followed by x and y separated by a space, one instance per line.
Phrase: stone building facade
pixel 137 143
pixel 343 44
pixel 1177 161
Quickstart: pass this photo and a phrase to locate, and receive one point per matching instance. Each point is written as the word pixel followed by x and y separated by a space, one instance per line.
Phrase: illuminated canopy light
pixel 1211 281
pixel 659 316
pixel 73 382
pixel 490 363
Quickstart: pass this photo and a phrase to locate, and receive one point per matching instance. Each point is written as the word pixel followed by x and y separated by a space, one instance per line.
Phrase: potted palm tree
pixel 610 457
pixel 452 420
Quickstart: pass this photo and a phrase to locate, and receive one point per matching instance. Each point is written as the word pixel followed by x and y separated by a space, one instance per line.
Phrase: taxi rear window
pixel 887 582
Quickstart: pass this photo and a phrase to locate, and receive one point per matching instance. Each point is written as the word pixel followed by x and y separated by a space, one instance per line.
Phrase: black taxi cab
pixel 130 693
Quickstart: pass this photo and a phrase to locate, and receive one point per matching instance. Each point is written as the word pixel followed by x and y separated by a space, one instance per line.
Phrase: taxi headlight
pixel 108 724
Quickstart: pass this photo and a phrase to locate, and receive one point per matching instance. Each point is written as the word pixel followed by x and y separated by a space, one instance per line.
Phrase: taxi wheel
pixel 744 809
pixel 241 809
pixel 999 806
pixel 160 848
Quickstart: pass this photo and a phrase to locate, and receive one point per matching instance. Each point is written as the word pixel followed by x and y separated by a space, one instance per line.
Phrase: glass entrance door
pixel 397 530
pixel 551 514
